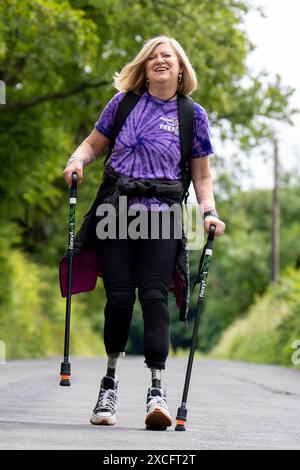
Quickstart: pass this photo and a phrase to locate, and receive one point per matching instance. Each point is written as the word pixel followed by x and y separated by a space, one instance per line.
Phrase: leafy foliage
pixel 32 311
pixel 272 325
pixel 57 59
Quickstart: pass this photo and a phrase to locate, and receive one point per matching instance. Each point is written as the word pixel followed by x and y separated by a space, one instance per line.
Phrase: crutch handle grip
pixel 74 180
pixel 212 230
pixel 73 189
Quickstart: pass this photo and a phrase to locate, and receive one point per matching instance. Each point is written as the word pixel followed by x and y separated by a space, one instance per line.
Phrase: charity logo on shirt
pixel 170 125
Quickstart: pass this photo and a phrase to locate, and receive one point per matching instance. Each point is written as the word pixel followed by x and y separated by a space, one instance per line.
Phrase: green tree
pixel 57 59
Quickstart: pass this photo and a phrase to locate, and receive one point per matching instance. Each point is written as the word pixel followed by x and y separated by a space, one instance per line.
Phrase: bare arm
pixel 93 146
pixel 202 181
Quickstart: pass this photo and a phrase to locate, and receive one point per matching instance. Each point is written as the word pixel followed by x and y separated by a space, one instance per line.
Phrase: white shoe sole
pixel 103 420
pixel 158 418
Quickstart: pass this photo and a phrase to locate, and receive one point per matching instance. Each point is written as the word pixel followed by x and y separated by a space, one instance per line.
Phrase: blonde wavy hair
pixel 132 77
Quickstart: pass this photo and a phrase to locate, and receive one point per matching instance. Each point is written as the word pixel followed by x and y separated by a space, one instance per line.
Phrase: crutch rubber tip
pixel 65 382
pixel 180 427
pixel 181 418
pixel 65 374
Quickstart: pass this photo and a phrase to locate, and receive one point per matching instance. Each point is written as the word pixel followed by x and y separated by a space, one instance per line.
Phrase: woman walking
pixel 147 149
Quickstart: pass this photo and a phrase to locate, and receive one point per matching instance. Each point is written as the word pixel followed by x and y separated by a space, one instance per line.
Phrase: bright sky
pixel 277 38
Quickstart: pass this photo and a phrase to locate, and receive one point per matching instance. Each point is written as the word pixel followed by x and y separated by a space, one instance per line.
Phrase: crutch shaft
pixel 65 371
pixel 203 270
pixel 191 355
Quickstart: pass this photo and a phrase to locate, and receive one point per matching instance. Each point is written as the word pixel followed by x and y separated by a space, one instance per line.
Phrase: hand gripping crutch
pixel 202 280
pixel 65 371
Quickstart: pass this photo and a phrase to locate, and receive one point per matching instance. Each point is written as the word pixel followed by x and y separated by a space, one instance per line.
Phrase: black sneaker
pixel 105 410
pixel 158 416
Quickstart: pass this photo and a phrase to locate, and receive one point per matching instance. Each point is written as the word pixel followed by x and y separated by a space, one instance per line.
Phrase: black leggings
pixel 155 260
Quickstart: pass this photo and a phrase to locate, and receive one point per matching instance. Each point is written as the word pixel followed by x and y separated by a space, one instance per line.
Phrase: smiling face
pixel 162 66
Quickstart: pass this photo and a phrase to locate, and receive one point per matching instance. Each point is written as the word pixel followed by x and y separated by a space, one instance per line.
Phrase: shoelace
pixel 157 401
pixel 109 399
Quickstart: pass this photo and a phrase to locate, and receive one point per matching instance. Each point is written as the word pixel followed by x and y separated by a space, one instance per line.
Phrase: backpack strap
pixel 125 106
pixel 186 125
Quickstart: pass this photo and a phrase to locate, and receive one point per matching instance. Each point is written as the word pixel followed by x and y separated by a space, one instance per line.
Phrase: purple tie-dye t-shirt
pixel 148 144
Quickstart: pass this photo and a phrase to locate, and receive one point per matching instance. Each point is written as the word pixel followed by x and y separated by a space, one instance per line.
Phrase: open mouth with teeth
pixel 161 69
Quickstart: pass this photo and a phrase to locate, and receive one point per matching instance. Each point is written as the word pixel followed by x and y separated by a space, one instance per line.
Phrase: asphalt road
pixel 231 405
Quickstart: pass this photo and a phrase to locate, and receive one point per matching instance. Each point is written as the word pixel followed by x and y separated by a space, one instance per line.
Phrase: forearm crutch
pixel 202 280
pixel 65 371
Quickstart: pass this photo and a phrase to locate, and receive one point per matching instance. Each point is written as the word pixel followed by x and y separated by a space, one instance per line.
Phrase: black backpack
pixel 186 127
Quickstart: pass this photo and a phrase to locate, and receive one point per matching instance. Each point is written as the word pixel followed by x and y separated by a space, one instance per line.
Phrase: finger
pixel 207 228
pixel 208 225
pixel 218 231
